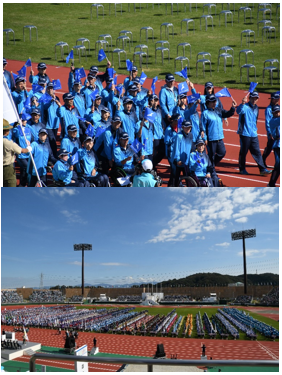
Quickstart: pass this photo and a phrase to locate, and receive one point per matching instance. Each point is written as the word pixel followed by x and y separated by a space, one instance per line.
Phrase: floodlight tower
pixel 82 247
pixel 250 233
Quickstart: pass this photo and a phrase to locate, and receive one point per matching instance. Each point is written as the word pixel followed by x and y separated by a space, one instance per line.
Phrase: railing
pixel 151 362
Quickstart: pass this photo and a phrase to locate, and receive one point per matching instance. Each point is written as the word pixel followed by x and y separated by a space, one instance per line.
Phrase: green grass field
pixel 183 311
pixel 63 22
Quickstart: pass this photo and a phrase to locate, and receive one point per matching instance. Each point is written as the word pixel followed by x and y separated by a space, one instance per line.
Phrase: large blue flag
pixel 129 65
pixel 45 98
pixel 27 131
pixel 27 103
pixel 149 115
pixel 37 88
pixel 69 56
pixel 136 146
pixel 22 71
pixel 28 63
pixel 193 98
pixel 224 93
pixel 93 94
pixel 90 131
pixel 183 73
pixel 142 78
pixel 73 159
pixel 182 88
pixel 111 72
pixel 253 85
pixel 101 55
pixel 115 80
pixel 14 75
pixel 100 130
pixel 57 84
pixel 153 86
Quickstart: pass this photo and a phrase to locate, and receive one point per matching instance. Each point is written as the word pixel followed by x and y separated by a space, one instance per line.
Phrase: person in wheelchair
pixel 64 174
pixel 201 168
pixel 146 178
pixel 88 164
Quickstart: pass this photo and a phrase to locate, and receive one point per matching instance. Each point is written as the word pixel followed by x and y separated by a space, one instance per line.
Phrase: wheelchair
pixel 191 180
pixel 118 172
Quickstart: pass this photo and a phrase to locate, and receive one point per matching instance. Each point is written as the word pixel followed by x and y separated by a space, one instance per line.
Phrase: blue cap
pixel 186 124
pixel 181 96
pixel 77 82
pixel 94 69
pixel 91 75
pixel 169 77
pixel 25 116
pixel 136 80
pixel 62 152
pixel 175 116
pixel 109 79
pixel 41 65
pixel 124 135
pixel 34 98
pixel 153 97
pixel 4 61
pixel 68 96
pixel 275 95
pixel 133 88
pixel 134 68
pixel 254 94
pixel 106 109
pixel 20 79
pixel 50 84
pixel 88 139
pixel 200 141
pixel 127 100
pixel 208 84
pixel 42 81
pixel 35 111
pixel 211 98
pixel 98 97
pixel 116 119
pixel 43 130
pixel 71 128
pixel 276 108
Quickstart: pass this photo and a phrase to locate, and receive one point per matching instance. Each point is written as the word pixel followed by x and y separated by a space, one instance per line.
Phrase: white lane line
pixel 235 131
pixel 230 144
pixel 268 351
pixel 243 178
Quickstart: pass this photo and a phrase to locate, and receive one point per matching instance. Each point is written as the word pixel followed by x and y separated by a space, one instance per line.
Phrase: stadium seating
pixel 272 298
pixel 46 296
pixel 10 296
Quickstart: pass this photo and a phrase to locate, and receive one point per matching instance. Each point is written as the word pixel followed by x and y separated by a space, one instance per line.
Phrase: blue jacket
pixel 158 124
pixel 79 103
pixel 68 117
pixel 61 172
pixel 107 142
pixel 169 138
pixel 180 110
pixel 19 99
pixel 200 169
pixel 102 124
pixel 130 123
pixel 212 122
pixel 114 101
pixel 248 115
pixel 20 140
pixel 275 131
pixel 87 161
pixel 268 117
pixel 107 95
pixel 193 116
pixel 87 91
pixel 69 143
pixel 120 154
pixel 204 106
pixel 147 137
pixel 95 116
pixel 144 180
pixel 41 154
pixel 50 118
pixel 35 128
pixel 34 79
pixel 10 79
pixel 168 100
pixel 182 147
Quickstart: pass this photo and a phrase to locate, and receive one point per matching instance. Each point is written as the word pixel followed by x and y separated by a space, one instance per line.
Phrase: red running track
pixel 227 170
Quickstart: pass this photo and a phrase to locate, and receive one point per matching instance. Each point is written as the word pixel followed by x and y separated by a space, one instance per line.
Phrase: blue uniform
pixel 87 162
pixel 180 111
pixel 144 180
pixel 87 91
pixel 275 132
pixel 95 116
pixel 19 99
pixel 102 124
pixel 130 123
pixel 182 147
pixel 200 164
pixel 168 100
pixel 34 79
pixel 203 105
pixel 192 115
pixel 120 154
pixel 169 138
pixel 9 79
pixel 79 103
pixel 158 124
pixel 50 118
pixel 69 143
pixel 270 140
pixel 107 95
pixel 159 146
pixel 107 142
pixel 68 117
pixel 147 137
pixel 61 172
pixel 35 127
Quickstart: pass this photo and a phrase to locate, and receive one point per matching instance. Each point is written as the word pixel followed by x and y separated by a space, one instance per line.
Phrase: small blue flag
pixel 37 88
pixel 14 75
pixel 253 85
pixel 22 71
pixel 28 63
pixel 182 88
pixel 115 80
pixel 183 73
pixel 277 92
pixel 111 72
pixel 119 89
pixel 82 73
pixel 80 118
pixel 25 116
pixel 99 131
pixel 27 131
pixel 153 84
pixel 73 159
pixel 197 157
pixel 27 103
pixel 179 122
pixel 142 78
pixel 69 56
pixel 149 115
pixel 136 146
pixel 93 94
pixel 101 55
pixel 224 93
pixel 90 131
pixel 193 98
pixel 45 98
pixel 129 65
pixel 57 84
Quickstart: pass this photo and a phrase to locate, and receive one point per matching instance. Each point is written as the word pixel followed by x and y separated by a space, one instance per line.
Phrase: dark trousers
pixel 52 135
pixel 172 177
pixel 23 174
pixel 216 151
pixel 267 149
pixel 101 180
pixel 9 176
pixel 159 151
pixel 276 171
pixel 33 180
pixel 178 171
pixel 252 144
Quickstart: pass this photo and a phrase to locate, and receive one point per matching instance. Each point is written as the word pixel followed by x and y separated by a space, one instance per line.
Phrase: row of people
pixel 46 296
pixel 10 296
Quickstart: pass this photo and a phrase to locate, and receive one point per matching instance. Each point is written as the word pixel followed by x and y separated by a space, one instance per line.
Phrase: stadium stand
pixel 243 300
pixel 129 299
pixel 176 298
pixel 46 296
pixel 10 296
pixel 76 299
pixel 272 298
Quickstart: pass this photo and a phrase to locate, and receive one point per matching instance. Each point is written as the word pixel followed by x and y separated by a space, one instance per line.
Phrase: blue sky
pixel 138 235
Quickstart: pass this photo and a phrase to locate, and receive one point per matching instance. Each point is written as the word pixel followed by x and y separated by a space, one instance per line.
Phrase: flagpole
pixel 20 123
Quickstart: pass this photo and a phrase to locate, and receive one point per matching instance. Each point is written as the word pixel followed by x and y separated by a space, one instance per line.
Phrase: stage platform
pixel 10 354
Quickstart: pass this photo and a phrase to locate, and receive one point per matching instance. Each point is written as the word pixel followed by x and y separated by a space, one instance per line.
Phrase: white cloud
pixel 113 264
pixel 242 220
pixel 223 244
pixel 75 263
pixel 200 238
pixel 73 217
pixel 254 253
pixel 61 192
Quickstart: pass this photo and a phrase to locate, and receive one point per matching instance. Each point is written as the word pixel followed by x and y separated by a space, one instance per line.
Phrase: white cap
pixel 147 165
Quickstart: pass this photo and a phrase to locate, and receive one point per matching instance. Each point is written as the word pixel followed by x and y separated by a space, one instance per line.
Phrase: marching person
pixel 275 132
pixel 158 143
pixel 169 140
pixel 20 93
pixel 146 179
pixel 41 67
pixel 168 98
pixel 8 76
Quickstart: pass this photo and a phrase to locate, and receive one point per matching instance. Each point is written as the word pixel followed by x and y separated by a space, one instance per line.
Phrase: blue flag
pixel 183 73
pixel 37 88
pixel 28 63
pixel 119 89
pixel 69 56
pixel 129 65
pixel 56 84
pixel 277 92
pixel 45 98
pixel 99 131
pixel 153 86
pixel 27 131
pixel 115 80
pixel 179 122
pixel 73 159
pixel 193 98
pixel 25 116
pixel 80 118
pixel 224 93
pixel 136 146
pixel 27 103
pixel 93 94
pixel 111 72
pixel 90 131
pixel 253 85
pixel 81 73
pixel 22 71
pixel 182 88
pixel 149 115
pixel 142 78
pixel 197 157
pixel 14 75
pixel 101 55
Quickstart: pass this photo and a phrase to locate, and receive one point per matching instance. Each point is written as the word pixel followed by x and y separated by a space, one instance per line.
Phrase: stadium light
pixel 250 233
pixel 82 247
